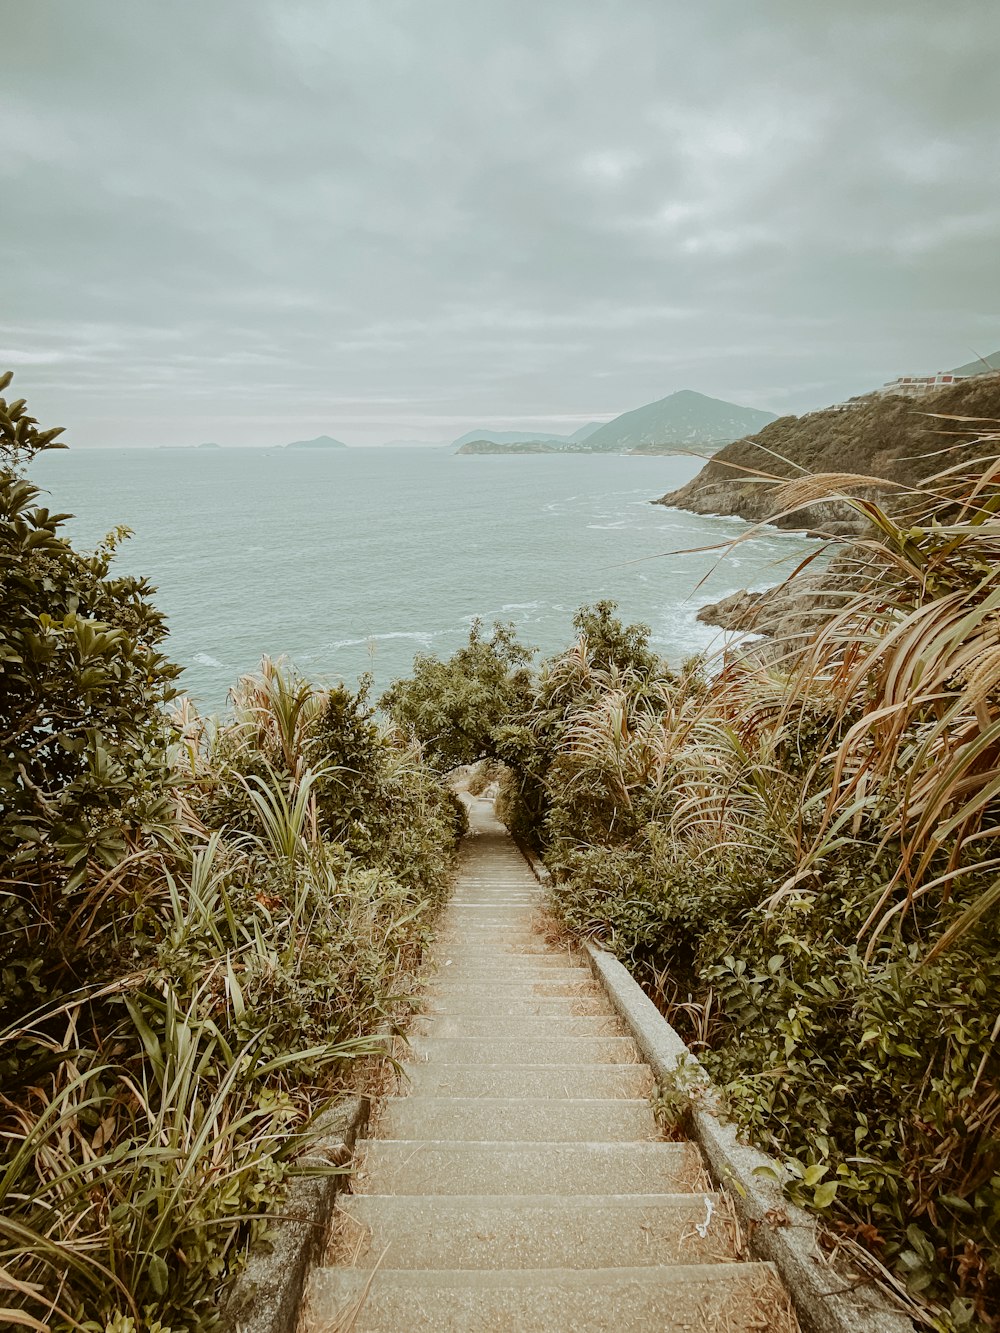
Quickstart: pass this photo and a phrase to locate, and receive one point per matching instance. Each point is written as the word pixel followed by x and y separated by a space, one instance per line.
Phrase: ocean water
pixel 349 562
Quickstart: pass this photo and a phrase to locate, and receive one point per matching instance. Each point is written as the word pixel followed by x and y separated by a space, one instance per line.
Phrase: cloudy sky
pixel 251 220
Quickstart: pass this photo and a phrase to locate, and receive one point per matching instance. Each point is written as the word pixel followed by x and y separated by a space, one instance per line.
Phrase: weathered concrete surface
pixel 590 1231
pixel 557 1081
pixel 526 1050
pixel 707 1297
pixel 393 1167
pixel 518 1119
pixel 517 1181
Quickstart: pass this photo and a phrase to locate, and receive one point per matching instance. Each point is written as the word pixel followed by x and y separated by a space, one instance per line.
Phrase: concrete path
pixel 518 1182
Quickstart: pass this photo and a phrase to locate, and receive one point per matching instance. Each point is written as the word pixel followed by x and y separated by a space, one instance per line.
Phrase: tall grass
pixel 151 1122
pixel 796 847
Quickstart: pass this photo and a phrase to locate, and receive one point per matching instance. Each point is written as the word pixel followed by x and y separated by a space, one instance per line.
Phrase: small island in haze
pixel 516 447
pixel 320 442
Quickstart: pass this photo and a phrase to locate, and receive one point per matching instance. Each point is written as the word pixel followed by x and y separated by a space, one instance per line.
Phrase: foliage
pixel 206 924
pixel 795 851
pixel 454 708
pixel 83 769
pixel 611 676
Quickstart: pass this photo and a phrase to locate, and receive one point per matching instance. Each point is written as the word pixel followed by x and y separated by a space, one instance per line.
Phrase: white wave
pixel 418 636
pixel 205 659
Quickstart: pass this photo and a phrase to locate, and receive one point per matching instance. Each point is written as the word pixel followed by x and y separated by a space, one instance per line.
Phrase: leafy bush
pixel 83 740
pixel 454 708
pixel 797 856
pixel 206 923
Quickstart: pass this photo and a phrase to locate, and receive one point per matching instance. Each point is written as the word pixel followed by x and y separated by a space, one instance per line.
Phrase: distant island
pixel 516 447
pixel 481 436
pixel 320 442
pixel 682 420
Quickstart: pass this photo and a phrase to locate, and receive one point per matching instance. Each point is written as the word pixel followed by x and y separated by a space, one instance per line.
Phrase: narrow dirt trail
pixel 518 1182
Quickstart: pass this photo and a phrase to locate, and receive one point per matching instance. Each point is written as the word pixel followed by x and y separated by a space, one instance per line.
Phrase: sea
pixel 347 562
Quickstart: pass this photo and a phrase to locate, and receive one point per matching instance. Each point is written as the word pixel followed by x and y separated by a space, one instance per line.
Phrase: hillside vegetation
pixel 682 418
pixel 901 439
pixel 203 926
pixel 798 858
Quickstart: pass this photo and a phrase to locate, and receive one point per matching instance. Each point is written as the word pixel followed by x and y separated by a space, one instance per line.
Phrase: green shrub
pixel 205 924
pixel 83 739
pixel 454 708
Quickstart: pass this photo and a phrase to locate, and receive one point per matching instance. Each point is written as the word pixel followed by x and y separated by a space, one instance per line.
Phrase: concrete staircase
pixel 518 1181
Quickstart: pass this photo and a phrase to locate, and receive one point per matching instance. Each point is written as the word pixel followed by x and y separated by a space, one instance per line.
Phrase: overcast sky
pixel 252 220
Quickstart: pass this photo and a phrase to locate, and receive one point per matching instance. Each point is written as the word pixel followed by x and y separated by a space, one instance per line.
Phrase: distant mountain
pixel 209 444
pixel 977 367
pixel 320 442
pixel 510 437
pixel 585 432
pixel 684 418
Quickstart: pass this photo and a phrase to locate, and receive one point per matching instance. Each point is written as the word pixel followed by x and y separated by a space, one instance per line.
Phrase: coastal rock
pixel 897 438
pixel 790 611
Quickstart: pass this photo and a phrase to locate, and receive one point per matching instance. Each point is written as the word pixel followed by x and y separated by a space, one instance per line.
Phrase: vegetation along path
pixel 518 1180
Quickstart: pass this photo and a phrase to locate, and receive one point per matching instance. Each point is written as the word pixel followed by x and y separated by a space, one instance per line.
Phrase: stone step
pixel 394 1166
pixel 477 913
pixel 485 913
pixel 498 944
pixel 479 918
pixel 502 1119
pixel 458 973
pixel 457 986
pixel 509 964
pixel 496 955
pixel 487 936
pixel 476 1006
pixel 534 1051
pixel 531 941
pixel 693 1298
pixel 531 901
pixel 538 1231
pixel 582 983
pixel 520 972
pixel 510 1027
pixel 568 1081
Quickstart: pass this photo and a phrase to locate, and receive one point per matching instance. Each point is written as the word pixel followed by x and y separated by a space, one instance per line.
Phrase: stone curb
pixel 776 1229
pixel 267 1295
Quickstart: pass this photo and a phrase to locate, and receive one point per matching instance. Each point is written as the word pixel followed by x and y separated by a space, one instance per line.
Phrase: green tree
pixel 455 708
pixel 82 731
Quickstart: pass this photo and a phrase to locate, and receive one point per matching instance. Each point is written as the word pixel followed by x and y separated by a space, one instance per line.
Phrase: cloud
pixel 453 213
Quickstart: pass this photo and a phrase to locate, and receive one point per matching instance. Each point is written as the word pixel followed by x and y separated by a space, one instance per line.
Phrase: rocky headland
pixel 900 439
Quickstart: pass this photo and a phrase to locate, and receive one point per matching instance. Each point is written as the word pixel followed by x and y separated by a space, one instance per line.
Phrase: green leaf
pixel 159 1274
pixel 825 1194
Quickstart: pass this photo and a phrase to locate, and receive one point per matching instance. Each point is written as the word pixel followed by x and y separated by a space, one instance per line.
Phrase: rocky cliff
pixel 897 438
